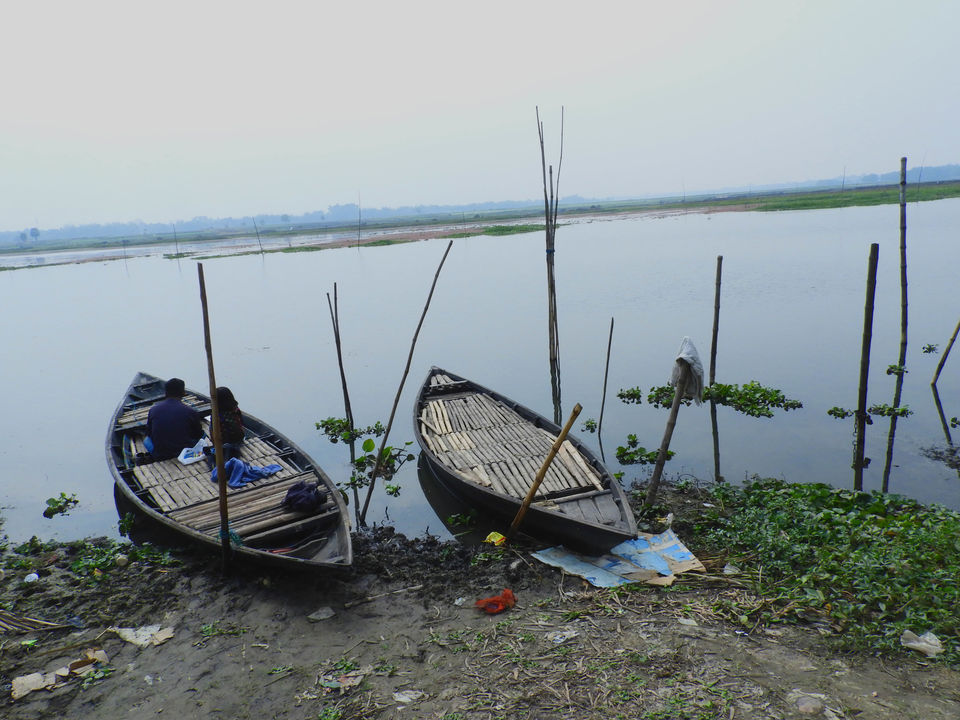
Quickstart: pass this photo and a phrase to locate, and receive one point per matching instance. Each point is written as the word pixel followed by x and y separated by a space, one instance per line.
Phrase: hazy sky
pixel 119 111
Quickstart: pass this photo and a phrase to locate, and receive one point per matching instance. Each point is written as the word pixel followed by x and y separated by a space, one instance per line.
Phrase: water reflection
pixel 459 520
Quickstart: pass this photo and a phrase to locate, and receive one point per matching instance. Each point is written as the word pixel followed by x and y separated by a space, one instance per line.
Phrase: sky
pixel 158 112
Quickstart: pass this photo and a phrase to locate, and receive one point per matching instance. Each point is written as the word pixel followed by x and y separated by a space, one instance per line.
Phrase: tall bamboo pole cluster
pixel 551 197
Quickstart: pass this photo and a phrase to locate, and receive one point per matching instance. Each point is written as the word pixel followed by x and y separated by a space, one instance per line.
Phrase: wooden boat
pixel 185 499
pixel 487 450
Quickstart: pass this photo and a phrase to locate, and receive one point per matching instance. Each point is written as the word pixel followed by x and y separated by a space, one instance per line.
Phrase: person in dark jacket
pixel 231 423
pixel 171 424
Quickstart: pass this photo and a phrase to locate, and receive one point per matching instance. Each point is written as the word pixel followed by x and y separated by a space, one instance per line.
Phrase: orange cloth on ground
pixel 498 603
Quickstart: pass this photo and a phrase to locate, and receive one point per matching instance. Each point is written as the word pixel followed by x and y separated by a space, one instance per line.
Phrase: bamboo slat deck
pixel 189 495
pixel 493 445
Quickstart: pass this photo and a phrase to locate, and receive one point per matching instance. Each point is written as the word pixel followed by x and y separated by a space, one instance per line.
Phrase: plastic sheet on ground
pixel 144 636
pixel 651 559
pixel 26 684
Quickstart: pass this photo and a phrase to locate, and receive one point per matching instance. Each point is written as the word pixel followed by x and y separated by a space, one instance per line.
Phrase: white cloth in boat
pixel 693 386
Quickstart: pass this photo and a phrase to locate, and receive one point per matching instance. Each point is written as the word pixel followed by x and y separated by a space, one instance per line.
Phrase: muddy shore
pixel 398 636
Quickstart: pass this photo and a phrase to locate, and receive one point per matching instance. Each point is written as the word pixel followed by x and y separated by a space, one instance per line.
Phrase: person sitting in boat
pixel 171 424
pixel 231 423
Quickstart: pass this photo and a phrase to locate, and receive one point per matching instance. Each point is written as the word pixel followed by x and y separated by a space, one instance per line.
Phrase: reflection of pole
pixel 713 374
pixel 901 362
pixel 861 416
pixel 215 422
pixel 943 418
pixel 668 432
pixel 553 338
pixel 258 234
pixel 936 375
pixel 946 427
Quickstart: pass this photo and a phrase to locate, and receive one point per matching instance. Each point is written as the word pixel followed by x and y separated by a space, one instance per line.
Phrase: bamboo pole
pixel 943 359
pixel 861 416
pixel 258 234
pixel 558 443
pixel 668 432
pixel 902 358
pixel 713 373
pixel 603 397
pixel 347 409
pixel 378 467
pixel 215 424
pixel 551 196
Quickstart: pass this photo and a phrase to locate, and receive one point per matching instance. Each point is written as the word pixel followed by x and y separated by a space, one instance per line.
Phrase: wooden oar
pixel 543 471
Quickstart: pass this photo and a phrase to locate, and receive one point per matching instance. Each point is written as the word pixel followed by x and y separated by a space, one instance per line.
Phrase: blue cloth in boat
pixel 240 473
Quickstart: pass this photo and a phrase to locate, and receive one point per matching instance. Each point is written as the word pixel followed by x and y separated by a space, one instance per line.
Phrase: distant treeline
pixel 351 214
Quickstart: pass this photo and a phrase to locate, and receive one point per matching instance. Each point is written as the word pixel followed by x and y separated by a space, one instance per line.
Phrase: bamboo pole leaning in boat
pixel 543 471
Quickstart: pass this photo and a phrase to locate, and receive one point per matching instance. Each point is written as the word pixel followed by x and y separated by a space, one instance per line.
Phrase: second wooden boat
pixel 487 449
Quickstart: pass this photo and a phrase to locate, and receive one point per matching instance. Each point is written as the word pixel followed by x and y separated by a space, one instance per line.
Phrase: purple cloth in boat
pixel 240 473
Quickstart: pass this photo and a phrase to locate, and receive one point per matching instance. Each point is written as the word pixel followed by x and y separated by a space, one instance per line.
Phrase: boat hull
pixel 181 499
pixel 492 454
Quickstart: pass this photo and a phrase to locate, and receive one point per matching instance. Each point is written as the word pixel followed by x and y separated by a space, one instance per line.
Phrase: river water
pixel 792 303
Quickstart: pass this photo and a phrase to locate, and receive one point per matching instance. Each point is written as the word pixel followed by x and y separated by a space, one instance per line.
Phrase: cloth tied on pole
pixel 693 383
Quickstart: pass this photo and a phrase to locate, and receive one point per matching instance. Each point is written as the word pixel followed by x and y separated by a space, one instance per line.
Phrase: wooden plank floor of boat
pixel 188 495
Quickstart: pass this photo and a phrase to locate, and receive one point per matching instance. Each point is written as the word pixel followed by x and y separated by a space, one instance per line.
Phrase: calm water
pixel 791 318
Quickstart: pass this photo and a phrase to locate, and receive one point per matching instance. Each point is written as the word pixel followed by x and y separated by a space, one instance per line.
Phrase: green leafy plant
pixel 840 413
pixel 126 523
pixel 392 458
pixel 60 505
pixel 345 665
pixel 96 675
pixel 466 519
pixel 896 370
pixel 930 348
pixel 884 410
pixel 866 566
pixel 634 454
pixel 634 396
pixel 751 399
pixel 589 425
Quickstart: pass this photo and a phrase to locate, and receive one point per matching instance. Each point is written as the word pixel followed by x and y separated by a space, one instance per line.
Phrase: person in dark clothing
pixel 171 424
pixel 231 423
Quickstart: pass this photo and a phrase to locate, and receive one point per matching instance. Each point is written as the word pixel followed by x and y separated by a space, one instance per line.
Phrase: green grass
pixel 849 198
pixel 497 230
pixel 867 565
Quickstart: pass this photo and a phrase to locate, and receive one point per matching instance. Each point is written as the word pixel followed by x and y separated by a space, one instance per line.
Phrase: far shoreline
pixel 284 242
